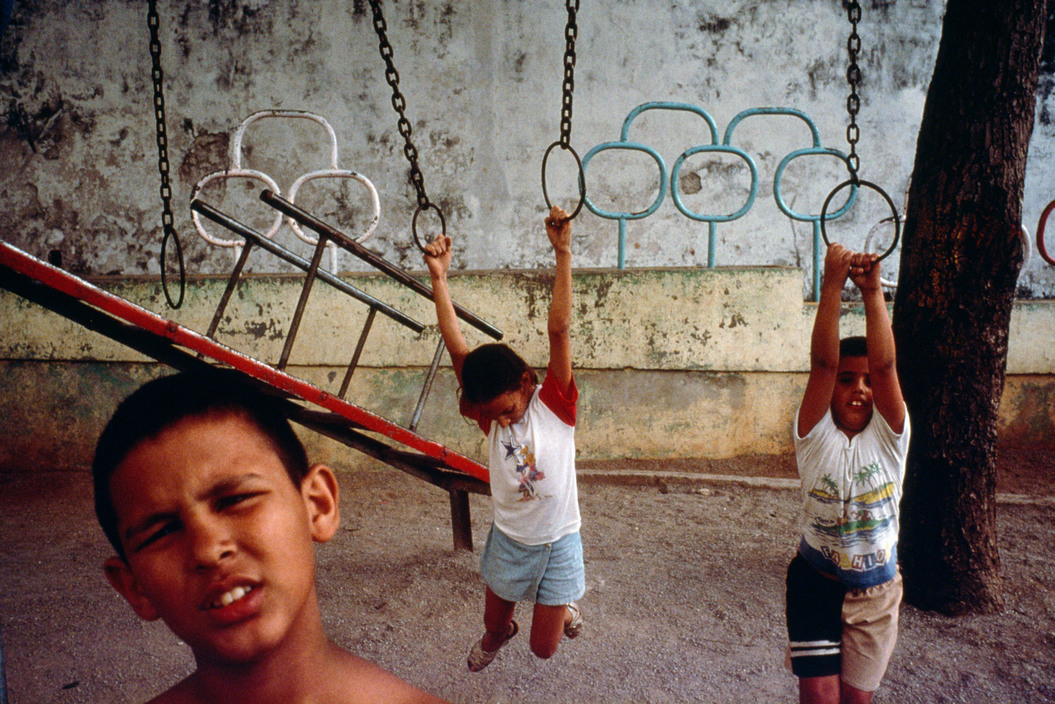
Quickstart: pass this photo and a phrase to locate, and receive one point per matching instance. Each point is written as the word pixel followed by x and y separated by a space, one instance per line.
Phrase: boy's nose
pixel 209 544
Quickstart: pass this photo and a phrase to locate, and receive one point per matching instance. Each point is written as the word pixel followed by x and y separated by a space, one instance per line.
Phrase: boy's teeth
pixel 232 596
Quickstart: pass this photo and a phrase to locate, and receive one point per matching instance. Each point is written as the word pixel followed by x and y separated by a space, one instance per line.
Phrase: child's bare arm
pixel 824 343
pixel 558 229
pixel 882 360
pixel 438 260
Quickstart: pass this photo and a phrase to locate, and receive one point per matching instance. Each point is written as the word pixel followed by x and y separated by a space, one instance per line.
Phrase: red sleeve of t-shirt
pixel 563 405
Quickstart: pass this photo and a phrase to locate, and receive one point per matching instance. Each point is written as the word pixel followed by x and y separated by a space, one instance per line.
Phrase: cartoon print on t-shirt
pixel 865 513
pixel 527 473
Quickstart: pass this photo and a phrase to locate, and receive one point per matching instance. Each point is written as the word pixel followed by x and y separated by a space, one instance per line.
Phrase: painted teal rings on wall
pixel 678 107
pixel 629 146
pixel 714 149
pixel 623 217
pixel 779 174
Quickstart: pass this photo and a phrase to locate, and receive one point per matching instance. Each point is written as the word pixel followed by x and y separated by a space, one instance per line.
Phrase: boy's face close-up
pixel 852 396
pixel 219 540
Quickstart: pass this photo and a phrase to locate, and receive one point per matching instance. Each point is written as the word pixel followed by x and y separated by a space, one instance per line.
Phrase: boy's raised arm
pixel 438 260
pixel 824 343
pixel 882 359
pixel 558 229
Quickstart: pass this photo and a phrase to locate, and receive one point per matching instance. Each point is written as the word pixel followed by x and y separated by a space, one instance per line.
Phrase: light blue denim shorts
pixel 551 574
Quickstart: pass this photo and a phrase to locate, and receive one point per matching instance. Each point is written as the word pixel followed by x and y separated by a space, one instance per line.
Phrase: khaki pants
pixel 870 618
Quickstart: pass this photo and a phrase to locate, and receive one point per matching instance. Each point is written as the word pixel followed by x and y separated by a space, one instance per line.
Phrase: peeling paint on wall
pixel 482 84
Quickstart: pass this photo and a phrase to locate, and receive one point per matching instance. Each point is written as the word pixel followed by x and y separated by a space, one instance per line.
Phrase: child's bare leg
pixel 498 613
pixel 853 695
pixel 547 629
pixel 831 690
pixel 819 690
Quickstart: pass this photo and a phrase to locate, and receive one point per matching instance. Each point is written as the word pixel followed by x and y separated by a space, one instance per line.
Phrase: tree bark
pixel 960 259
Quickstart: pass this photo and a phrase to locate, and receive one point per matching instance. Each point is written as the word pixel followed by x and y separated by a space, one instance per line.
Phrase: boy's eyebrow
pixel 218 489
pixel 228 484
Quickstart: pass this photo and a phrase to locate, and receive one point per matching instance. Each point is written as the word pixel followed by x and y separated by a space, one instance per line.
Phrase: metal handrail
pixel 251 237
pixel 257 238
pixel 347 243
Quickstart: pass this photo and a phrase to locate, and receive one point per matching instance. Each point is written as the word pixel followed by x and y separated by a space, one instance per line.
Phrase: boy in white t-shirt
pixel 851 439
pixel 533 552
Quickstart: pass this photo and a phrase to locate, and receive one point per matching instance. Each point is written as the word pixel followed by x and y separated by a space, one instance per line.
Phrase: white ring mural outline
pixel 333 171
pixel 233 172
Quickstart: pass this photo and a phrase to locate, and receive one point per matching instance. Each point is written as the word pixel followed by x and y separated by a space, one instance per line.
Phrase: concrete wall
pixel 482 82
pixel 672 364
pixel 679 362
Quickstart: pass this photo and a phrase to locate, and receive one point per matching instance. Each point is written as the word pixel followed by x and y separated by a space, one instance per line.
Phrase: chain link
pixel 853 77
pixel 571 29
pixel 570 32
pixel 167 221
pixel 400 105
pixel 853 134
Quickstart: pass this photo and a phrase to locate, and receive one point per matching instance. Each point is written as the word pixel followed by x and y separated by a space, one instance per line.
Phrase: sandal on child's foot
pixel 480 658
pixel 573 628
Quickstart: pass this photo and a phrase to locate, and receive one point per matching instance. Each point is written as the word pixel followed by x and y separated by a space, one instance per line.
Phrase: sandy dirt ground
pixel 684 595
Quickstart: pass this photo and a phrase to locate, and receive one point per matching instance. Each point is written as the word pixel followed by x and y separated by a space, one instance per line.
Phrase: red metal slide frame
pixel 55 278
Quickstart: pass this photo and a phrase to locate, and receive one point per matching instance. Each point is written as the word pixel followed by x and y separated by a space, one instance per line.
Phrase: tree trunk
pixel 960 259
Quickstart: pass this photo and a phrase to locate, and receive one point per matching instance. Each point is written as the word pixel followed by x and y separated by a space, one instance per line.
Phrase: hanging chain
pixel 168 228
pixel 853 134
pixel 853 77
pixel 570 32
pixel 400 104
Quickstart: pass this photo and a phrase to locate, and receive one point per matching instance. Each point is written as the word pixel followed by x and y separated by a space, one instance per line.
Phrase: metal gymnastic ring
pixel 582 177
pixel 1040 233
pixel 170 233
pixel 877 189
pixel 414 223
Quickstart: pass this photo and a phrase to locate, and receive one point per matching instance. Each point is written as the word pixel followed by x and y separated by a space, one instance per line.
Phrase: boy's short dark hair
pixel 491 370
pixel 855 346
pixel 161 403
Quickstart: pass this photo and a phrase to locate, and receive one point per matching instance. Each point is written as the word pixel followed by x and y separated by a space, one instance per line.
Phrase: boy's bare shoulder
pixel 344 679
pixel 359 681
pixel 179 694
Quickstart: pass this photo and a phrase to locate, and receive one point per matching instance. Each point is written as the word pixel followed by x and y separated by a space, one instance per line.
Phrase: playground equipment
pixel 726 145
pixel 341 420
pixel 168 228
pixel 853 133
pixel 571 29
pixel 237 171
pixel 717 145
pixel 1041 224
pixel 185 349
pixel 399 103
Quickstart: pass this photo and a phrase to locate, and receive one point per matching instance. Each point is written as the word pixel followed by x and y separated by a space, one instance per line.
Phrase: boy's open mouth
pixel 229 597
